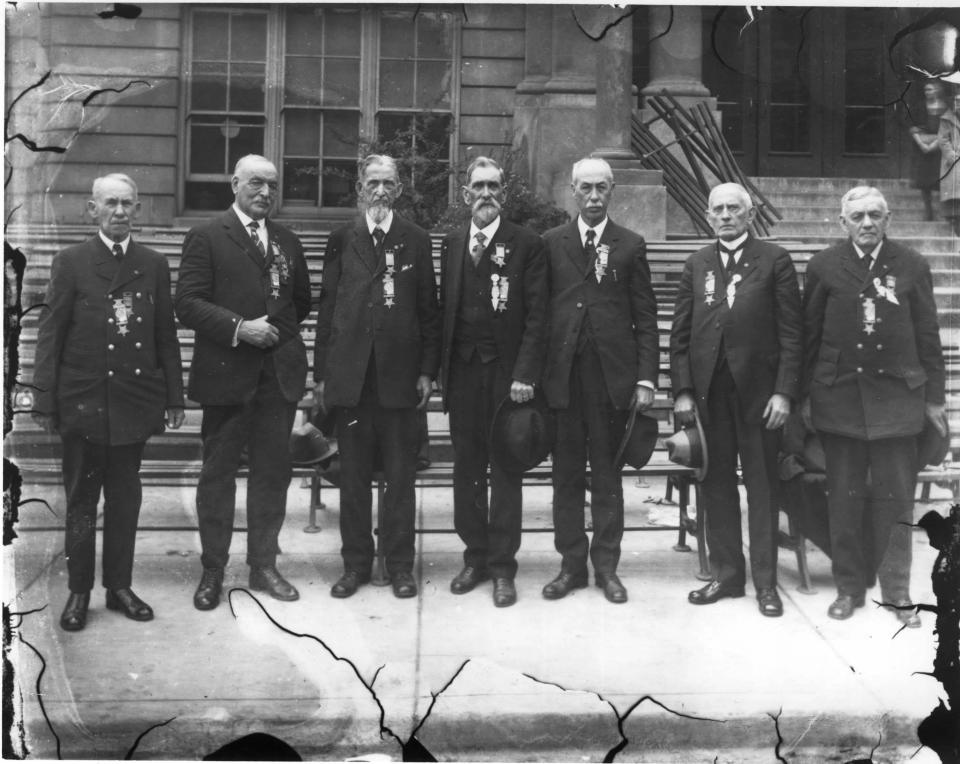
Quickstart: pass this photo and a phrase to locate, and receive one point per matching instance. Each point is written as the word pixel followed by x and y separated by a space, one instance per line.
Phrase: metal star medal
pixel 709 286
pixel 121 314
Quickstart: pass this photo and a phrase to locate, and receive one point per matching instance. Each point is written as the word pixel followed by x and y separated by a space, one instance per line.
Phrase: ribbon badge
pixel 122 315
pixel 603 254
pixel 869 315
pixel 732 289
pixel 500 254
pixel 709 287
pixel 279 269
pixel 887 292
pixel 388 287
pixel 499 290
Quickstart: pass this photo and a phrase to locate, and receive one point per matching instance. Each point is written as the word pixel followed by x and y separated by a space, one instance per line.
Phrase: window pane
pixel 864 83
pixel 789 128
pixel 304 31
pixel 433 84
pixel 210 36
pixel 208 87
pixel 247 87
pixel 248 140
pixel 301 133
pixel 341 133
pixel 342 33
pixel 208 196
pixel 733 125
pixel 389 126
pixel 341 82
pixel 396 83
pixel 207 149
pixel 249 39
pixel 339 179
pixel 302 81
pixel 864 131
pixel 434 36
pixel 435 130
pixel 300 180
pixel 397 35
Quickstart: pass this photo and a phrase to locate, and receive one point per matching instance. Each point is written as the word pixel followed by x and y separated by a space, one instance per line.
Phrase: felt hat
pixel 639 441
pixel 522 434
pixel 932 447
pixel 309 446
pixel 688 447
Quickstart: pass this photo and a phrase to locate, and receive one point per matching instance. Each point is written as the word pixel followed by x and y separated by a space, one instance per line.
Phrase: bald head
pixel 254 185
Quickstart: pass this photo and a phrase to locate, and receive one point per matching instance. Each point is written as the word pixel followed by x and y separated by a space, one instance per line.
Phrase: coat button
pixel 879 346
pixel 110 346
pixel 139 319
pixel 859 370
pixel 369 304
pixel 109 320
pixel 859 346
pixel 137 372
pixel 879 371
pixel 110 373
pixel 139 295
pixel 138 345
pixel 579 304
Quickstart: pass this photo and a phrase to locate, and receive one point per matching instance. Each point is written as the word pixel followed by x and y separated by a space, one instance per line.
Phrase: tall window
pixel 311 85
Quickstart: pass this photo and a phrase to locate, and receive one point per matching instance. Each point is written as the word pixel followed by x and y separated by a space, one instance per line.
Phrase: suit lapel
pixel 886 261
pixel 241 237
pixel 747 264
pixel 455 256
pixel 574 249
pixel 104 263
pixel 130 269
pixel 363 245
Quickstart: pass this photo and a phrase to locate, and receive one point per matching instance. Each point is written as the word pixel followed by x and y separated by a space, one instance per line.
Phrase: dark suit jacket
pixel 622 310
pixel 521 329
pixel 874 385
pixel 103 380
pixel 223 279
pixel 354 320
pixel 761 334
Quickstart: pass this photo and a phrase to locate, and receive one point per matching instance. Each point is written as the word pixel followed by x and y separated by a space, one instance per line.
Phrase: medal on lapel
pixel 887 292
pixel 500 254
pixel 274 280
pixel 732 289
pixel 869 315
pixel 388 286
pixel 603 254
pixel 504 288
pixel 709 287
pixel 122 315
pixel 495 290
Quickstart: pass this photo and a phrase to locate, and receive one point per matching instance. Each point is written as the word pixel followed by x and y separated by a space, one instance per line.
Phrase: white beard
pixel 378 212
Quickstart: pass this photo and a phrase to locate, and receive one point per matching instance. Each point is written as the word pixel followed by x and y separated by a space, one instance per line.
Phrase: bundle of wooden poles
pixel 705 149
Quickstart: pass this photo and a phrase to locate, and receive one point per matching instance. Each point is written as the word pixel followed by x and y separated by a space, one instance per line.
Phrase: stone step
pixel 900 204
pixel 925 245
pixel 901 229
pixel 830 213
pixel 833 186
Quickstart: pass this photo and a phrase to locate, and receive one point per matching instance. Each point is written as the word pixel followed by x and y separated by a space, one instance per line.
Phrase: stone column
pixel 676 53
pixel 614 86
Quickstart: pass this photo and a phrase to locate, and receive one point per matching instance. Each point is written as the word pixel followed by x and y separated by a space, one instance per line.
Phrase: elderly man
pixel 602 360
pixel 377 353
pixel 735 354
pixel 244 289
pixel 108 377
pixel 875 372
pixel 493 286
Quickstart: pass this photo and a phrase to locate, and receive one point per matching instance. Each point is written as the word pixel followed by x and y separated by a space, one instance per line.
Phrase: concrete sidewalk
pixel 537 681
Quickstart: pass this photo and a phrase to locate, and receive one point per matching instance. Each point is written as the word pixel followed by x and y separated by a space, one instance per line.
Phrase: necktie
pixel 590 249
pixel 378 236
pixel 254 227
pixel 868 261
pixel 731 262
pixel 118 252
pixel 477 252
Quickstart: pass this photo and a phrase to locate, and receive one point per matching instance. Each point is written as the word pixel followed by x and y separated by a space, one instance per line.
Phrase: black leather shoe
pixel 843 606
pixel 269 580
pixel 129 604
pixel 613 590
pixel 909 618
pixel 504 592
pixel 74 616
pixel 207 596
pixel 712 592
pixel 467 579
pixel 348 584
pixel 769 602
pixel 403 585
pixel 563 584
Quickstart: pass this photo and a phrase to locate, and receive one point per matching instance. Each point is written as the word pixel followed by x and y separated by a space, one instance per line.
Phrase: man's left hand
pixel 424 388
pixel 175 417
pixel 777 411
pixel 937 414
pixel 521 392
pixel 642 398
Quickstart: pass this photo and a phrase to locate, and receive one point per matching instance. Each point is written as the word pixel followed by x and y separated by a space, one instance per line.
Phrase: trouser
pixel 263 425
pixel 88 468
